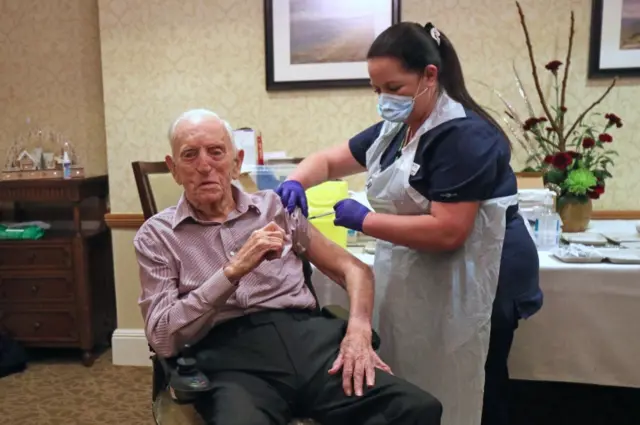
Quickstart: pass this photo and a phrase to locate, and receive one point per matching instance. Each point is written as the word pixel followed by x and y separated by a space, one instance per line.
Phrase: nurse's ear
pixel 431 75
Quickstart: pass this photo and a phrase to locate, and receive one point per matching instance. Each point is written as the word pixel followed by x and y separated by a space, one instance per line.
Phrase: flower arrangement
pixel 574 158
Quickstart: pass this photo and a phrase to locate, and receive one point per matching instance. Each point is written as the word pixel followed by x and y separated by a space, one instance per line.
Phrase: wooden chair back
pixel 141 172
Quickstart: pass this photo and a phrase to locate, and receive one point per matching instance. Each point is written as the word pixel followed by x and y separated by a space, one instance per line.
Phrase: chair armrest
pixel 186 383
pixel 337 312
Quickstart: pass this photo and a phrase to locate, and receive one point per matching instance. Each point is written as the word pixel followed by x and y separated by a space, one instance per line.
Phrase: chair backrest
pixel 141 172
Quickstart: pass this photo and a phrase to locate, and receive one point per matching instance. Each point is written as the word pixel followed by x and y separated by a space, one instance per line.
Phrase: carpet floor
pixel 57 389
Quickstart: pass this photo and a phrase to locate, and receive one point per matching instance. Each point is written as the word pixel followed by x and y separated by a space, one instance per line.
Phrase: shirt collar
pixel 244 202
pixel 446 109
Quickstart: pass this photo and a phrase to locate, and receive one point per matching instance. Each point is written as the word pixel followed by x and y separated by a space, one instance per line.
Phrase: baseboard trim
pixel 130 348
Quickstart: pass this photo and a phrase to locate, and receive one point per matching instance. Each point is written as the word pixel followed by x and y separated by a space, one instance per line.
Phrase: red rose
pixel 574 154
pixel 605 138
pixel 595 191
pixel 588 142
pixel 553 66
pixel 563 109
pixel 613 120
pixel 562 160
pixel 530 123
pixel 548 159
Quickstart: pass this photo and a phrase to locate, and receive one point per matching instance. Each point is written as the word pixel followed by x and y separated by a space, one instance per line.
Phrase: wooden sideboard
pixel 58 291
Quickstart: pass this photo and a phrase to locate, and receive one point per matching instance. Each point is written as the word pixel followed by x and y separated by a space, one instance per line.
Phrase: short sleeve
pixel 465 164
pixel 361 142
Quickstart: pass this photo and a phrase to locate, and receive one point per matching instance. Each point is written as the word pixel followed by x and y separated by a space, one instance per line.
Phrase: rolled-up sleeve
pixel 172 320
pixel 299 230
pixel 295 225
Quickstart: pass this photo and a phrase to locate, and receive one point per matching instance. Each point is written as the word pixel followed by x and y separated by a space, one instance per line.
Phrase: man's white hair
pixel 197 115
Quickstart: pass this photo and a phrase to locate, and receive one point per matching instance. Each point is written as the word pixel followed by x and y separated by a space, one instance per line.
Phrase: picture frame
pixel 301 38
pixel 614 45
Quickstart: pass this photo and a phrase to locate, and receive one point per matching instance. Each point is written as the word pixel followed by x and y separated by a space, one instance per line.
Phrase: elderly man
pixel 220 270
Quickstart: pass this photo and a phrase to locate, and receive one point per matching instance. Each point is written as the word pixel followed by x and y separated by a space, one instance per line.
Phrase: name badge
pixel 414 169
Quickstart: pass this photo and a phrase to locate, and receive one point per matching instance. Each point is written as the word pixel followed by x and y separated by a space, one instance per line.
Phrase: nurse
pixel 455 265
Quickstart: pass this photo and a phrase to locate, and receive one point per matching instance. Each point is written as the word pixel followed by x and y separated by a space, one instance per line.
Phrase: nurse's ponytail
pixel 417 47
pixel 452 80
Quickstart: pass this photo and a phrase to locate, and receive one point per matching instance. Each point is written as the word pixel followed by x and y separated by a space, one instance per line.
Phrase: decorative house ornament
pixel 26 159
pixel 27 162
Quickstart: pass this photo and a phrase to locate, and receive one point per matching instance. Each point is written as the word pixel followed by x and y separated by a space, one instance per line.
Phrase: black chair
pixel 179 375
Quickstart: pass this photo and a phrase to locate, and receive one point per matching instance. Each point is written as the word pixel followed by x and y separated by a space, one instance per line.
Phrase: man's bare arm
pixel 348 271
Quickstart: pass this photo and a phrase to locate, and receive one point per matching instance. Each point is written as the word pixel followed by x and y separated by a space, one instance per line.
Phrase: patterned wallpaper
pixel 50 72
pixel 160 57
pixel 164 56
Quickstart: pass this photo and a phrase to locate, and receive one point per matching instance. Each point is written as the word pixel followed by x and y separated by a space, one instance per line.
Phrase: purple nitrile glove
pixel 350 214
pixel 292 195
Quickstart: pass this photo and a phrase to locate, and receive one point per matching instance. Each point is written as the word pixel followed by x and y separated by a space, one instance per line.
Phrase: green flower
pixel 579 181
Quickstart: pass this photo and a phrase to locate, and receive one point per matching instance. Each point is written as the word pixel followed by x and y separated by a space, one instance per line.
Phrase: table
pixel 588 330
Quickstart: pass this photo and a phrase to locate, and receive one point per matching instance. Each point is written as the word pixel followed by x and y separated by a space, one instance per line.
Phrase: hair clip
pixel 433 31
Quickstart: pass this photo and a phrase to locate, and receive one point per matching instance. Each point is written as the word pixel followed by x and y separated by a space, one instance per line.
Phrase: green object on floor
pixel 18 233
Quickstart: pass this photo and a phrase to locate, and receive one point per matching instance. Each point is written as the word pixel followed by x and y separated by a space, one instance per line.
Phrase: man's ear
pixel 237 164
pixel 172 167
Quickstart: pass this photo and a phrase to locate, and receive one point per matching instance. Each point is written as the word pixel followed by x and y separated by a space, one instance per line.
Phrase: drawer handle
pixel 36 326
pixel 35 289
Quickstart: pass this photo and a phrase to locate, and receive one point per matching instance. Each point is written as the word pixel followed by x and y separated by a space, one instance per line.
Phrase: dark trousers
pixel 495 410
pixel 270 367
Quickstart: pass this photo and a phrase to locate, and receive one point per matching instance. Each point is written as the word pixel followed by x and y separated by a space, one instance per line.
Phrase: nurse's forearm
pixel 420 232
pixel 312 171
pixel 332 163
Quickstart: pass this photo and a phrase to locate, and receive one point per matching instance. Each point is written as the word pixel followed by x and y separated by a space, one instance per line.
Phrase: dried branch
pixel 572 32
pixel 535 75
pixel 517 135
pixel 593 105
pixel 522 92
pixel 511 111
pixel 533 145
pixel 530 150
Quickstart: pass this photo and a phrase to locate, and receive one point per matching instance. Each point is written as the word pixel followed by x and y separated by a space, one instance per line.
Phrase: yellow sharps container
pixel 321 199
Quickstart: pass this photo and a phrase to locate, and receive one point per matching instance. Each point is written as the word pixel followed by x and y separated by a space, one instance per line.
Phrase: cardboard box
pixel 529 180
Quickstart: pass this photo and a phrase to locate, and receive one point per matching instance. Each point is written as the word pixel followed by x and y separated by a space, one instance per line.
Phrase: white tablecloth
pixel 588 330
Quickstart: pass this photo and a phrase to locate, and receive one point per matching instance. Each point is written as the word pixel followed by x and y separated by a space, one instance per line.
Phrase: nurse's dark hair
pixel 414 46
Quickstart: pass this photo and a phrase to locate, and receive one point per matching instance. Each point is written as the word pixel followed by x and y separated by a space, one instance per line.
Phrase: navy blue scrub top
pixel 465 160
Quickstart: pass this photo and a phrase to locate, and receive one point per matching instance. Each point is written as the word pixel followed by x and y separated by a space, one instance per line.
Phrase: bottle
pixel 66 161
pixel 547 225
pixel 66 166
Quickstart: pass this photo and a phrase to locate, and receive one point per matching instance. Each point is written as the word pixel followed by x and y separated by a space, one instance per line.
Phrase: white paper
pixel 275 155
pixel 246 140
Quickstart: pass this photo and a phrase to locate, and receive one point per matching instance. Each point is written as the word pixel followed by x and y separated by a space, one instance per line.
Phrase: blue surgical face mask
pixel 396 108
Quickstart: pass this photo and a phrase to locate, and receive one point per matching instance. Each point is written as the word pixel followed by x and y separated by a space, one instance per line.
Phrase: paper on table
pixel 246 140
pixel 275 155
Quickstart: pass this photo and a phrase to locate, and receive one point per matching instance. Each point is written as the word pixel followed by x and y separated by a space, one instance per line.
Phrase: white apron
pixel 433 310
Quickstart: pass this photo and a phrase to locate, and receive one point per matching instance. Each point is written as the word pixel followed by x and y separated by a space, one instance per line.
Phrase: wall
pixel 50 72
pixel 163 57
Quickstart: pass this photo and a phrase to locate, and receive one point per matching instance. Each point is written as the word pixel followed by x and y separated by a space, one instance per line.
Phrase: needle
pixel 321 215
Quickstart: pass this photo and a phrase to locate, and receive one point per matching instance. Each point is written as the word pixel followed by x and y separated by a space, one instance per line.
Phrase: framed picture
pixel 615 39
pixel 322 43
